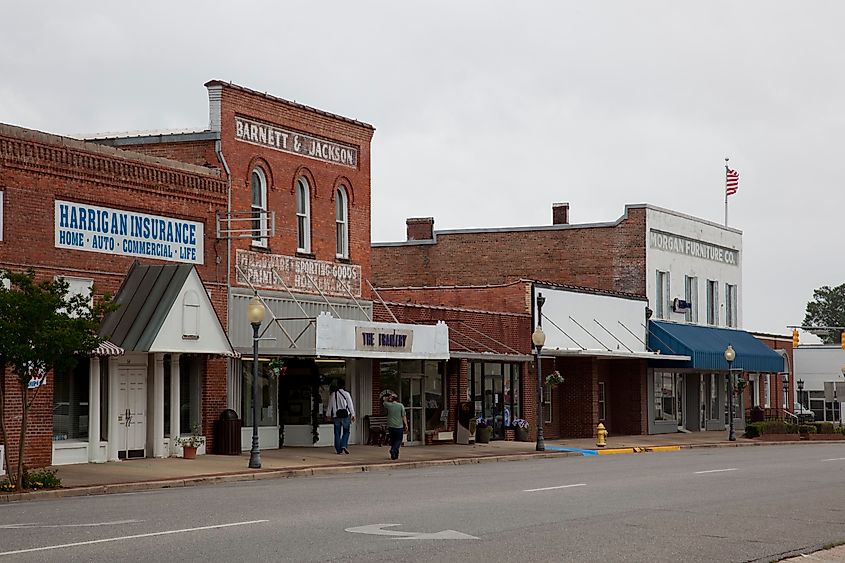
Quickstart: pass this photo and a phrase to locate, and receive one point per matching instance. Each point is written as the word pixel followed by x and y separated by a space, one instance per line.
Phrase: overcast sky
pixel 488 112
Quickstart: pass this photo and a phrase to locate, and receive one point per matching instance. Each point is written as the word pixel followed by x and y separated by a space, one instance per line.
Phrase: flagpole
pixel 726 192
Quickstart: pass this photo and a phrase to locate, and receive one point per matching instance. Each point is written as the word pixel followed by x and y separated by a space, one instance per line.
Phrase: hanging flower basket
pixel 554 378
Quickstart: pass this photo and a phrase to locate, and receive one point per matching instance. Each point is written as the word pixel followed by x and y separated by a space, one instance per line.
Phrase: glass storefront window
pixel 495 393
pixel 331 371
pixel 70 403
pixel 190 393
pixel 267 393
pixel 665 396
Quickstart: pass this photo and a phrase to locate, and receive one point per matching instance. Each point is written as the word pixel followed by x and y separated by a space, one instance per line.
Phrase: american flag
pixel 731 181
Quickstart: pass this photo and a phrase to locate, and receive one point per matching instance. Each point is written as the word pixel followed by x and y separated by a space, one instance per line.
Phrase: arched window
pixel 342 222
pixel 259 207
pixel 303 216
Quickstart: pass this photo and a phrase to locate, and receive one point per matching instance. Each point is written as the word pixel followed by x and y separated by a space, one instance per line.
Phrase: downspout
pixel 218 149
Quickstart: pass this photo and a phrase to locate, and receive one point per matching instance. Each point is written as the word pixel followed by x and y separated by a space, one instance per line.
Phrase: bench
pixel 377 434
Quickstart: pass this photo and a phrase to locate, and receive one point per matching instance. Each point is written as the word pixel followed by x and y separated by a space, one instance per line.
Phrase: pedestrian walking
pixel 342 413
pixel 397 423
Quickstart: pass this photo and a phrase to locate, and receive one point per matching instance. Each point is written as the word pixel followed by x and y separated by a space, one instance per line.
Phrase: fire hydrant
pixel 601 436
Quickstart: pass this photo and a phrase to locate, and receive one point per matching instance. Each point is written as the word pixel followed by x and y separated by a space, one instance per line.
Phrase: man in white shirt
pixel 342 412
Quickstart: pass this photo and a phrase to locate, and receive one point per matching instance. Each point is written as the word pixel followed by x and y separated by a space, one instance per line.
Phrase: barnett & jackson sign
pixel 695 248
pixel 286 140
pixel 92 228
pixel 298 274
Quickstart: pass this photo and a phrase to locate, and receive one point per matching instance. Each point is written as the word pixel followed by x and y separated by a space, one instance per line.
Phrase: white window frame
pixel 730 305
pixel 661 297
pixel 259 233
pixel 303 216
pixel 341 223
pixel 78 286
pixel 713 302
pixel 691 297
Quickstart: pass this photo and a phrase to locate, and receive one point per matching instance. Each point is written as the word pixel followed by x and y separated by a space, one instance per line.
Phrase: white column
pixel 158 406
pixel 175 410
pixel 115 409
pixel 94 410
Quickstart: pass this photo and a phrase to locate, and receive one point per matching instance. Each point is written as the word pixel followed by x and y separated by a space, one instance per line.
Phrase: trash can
pixel 228 439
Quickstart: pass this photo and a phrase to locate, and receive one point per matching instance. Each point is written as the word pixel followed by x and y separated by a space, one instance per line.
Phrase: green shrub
pixel 807 429
pixel 41 479
pixel 752 430
pixel 757 429
pixel 837 430
pixel 823 427
pixel 5 486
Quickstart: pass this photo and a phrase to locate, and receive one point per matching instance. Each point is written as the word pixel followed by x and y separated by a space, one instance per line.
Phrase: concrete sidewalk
pixel 143 474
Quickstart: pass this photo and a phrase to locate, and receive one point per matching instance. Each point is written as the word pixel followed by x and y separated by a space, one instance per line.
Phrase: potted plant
pixel 483 430
pixel 521 426
pixel 190 443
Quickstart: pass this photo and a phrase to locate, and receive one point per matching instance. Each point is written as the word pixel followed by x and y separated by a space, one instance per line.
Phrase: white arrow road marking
pixel 553 488
pixel 376 530
pixel 716 471
pixel 91 525
pixel 121 538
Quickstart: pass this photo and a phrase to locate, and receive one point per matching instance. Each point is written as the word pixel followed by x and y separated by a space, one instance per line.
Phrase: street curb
pixel 260 475
pixel 316 471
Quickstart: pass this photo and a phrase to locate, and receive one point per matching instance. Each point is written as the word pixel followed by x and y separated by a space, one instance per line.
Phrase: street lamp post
pixel 785 392
pixel 800 384
pixel 538 338
pixel 255 314
pixel 730 356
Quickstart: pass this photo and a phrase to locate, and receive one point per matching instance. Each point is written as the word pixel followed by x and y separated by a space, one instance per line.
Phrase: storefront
pixel 693 395
pixel 495 393
pixel 308 345
pixel 142 388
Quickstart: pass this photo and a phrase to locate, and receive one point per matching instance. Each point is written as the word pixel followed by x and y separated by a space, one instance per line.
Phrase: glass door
pixel 494 399
pixel 410 394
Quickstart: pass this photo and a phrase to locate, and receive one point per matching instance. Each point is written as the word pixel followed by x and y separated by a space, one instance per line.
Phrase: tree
pixel 827 308
pixel 43 329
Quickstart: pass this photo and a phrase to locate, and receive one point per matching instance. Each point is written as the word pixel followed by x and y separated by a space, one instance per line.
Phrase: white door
pixel 132 412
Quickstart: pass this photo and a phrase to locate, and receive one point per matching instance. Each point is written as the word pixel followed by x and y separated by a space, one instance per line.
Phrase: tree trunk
pixel 5 434
pixel 22 445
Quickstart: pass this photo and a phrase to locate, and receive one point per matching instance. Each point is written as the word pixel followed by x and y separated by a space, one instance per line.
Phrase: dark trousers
pixel 396 435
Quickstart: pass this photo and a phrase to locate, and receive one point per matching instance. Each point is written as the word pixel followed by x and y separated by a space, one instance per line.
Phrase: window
pixel 817 403
pixel 767 391
pixel 342 223
pixel 691 297
pixel 730 305
pixel 714 384
pixel 70 402
pixel 665 395
pixel 661 296
pixel 547 404
pixel 303 216
pixel 79 286
pixel 259 208
pixel 602 405
pixel 268 396
pixel 190 393
pixel 190 316
pixel 494 389
pixel 712 302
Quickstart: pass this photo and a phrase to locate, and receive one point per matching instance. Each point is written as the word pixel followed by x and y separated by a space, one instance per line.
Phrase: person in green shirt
pixel 397 423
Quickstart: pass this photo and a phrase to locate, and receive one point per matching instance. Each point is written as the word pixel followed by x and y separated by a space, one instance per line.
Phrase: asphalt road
pixel 725 504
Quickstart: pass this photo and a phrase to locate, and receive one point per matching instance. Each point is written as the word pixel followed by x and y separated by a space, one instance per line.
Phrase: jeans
pixel 341 440
pixel 396 435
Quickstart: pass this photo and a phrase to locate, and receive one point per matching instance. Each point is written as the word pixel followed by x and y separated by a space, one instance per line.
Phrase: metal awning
pixel 107 348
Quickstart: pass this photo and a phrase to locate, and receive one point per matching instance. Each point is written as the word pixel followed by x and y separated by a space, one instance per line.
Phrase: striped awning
pixel 107 348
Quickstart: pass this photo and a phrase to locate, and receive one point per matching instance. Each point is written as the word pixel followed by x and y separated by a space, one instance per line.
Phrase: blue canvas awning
pixel 706 346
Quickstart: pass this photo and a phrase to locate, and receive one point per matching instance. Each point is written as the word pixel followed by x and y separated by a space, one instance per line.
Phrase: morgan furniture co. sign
pixel 690 247
pixel 286 140
pixel 276 271
pixel 91 228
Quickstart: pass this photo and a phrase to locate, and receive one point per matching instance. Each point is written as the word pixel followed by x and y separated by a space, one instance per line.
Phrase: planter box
pixel 510 435
pixel 812 437
pixel 795 438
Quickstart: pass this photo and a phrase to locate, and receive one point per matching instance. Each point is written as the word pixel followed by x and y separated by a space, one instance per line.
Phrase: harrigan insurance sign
pixel 91 228
pixel 276 271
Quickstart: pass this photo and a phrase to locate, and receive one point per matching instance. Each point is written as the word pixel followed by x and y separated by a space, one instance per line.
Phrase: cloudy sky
pixel 487 112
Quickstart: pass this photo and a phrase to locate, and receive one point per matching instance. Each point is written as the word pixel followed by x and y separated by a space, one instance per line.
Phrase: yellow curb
pixel 639 449
pixel 664 449
pixel 616 451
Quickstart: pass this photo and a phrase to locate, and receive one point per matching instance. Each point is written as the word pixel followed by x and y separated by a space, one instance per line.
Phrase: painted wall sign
pixel 383 340
pixel 294 142
pixel 695 248
pixel 298 274
pixel 91 228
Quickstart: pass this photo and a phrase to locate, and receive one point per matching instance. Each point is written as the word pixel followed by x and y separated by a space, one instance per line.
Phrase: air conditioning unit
pixel 681 306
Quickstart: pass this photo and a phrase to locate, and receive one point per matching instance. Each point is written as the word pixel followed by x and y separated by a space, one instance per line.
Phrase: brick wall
pixel 514 297
pixel 38 168
pixel 601 257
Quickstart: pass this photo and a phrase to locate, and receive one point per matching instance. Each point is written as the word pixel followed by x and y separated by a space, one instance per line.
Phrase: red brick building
pixel 86 213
